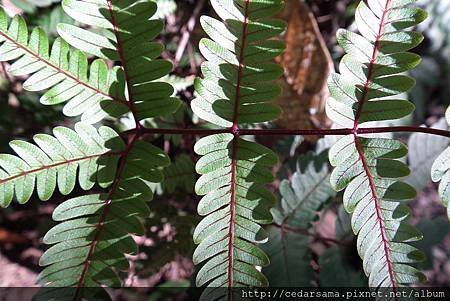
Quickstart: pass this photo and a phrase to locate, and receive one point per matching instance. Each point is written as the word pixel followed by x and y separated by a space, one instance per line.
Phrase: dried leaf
pixel 307 64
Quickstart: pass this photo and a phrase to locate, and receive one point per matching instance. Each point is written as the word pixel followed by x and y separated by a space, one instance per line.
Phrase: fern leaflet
pixel 128 31
pixel 288 248
pixel 64 71
pixel 367 168
pixel 56 160
pixel 440 171
pixel 236 90
pixel 93 235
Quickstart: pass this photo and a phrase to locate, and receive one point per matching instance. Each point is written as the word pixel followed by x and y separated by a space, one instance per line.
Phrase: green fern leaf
pixel 420 159
pixel 288 248
pixel 102 92
pixel 233 171
pixel 94 233
pixel 440 171
pixel 236 91
pixel 127 35
pixel 54 161
pixel 308 191
pixel 368 168
pixel 67 78
pixel 93 237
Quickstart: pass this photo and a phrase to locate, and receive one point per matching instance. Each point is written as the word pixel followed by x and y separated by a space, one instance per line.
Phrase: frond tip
pixel 55 160
pixel 236 86
pixel 129 41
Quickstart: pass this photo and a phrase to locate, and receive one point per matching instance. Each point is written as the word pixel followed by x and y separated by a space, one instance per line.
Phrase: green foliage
pixel 339 266
pixel 93 235
pixel 63 70
pixel 55 160
pixel 236 202
pixel 302 198
pixel 130 45
pixel 368 168
pixel 305 196
pixel 30 6
pixel 440 171
pixel 236 90
pixel 109 66
pixel 440 228
pixel 233 43
pixel 421 159
pixel 181 173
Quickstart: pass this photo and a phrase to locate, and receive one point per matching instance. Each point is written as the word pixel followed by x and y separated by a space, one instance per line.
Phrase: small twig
pixel 187 29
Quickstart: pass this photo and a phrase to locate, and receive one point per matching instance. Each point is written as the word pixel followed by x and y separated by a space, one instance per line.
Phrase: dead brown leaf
pixel 307 64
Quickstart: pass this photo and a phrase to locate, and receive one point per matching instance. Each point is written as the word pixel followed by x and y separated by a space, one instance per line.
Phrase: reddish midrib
pixel 61 70
pixel 101 221
pixel 376 49
pixel 130 102
pixel 378 212
pixel 235 131
pixel 359 148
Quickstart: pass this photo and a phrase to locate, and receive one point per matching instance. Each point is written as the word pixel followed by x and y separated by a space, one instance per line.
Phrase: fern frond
pixel 302 198
pixel 128 31
pixel 367 168
pixel 236 90
pixel 440 172
pixel 308 191
pixel 95 95
pixel 421 159
pixel 236 202
pixel 238 68
pixel 55 160
pixel 94 233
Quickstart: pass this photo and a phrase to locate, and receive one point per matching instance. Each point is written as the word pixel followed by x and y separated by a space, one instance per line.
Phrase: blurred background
pixel 312 52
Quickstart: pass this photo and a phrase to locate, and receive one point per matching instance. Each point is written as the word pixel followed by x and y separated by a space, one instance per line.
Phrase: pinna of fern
pixel 440 172
pixel 235 90
pixel 368 168
pixel 126 39
pixel 301 199
pixel 93 237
